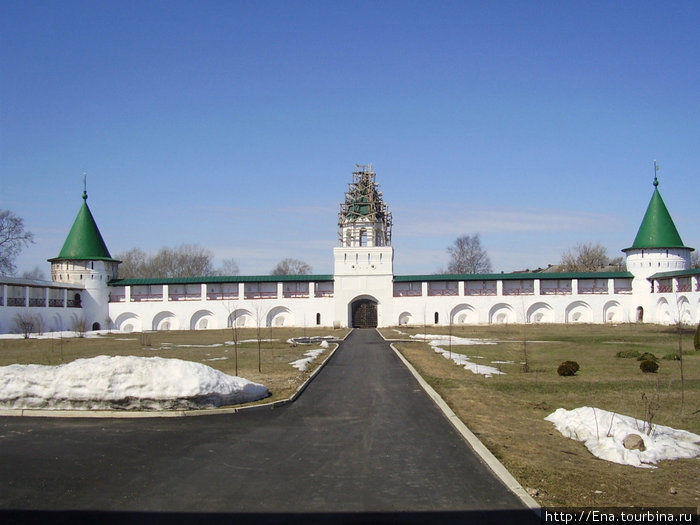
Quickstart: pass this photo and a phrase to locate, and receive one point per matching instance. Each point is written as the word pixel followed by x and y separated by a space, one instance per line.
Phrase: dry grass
pixel 506 411
pixel 213 348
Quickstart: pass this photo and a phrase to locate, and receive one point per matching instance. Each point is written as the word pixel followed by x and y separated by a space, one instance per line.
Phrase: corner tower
pixel 658 246
pixel 85 260
pixel 364 259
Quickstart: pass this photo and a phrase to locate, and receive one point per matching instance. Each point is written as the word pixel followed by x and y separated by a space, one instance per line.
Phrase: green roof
pixel 677 273
pixel 657 229
pixel 524 276
pixel 222 279
pixel 84 241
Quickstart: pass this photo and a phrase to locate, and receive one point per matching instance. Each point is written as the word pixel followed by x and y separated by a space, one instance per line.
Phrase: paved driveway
pixel 363 442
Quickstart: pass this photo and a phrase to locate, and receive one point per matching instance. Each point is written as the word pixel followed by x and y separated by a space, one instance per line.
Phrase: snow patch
pixel 123 382
pixel 603 432
pixel 311 355
pixel 435 341
pixel 321 340
pixel 445 339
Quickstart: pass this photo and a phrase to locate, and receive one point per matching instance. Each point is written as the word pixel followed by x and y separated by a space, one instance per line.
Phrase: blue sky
pixel 237 125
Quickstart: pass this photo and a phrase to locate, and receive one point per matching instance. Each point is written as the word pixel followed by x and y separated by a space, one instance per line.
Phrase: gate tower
pixel 364 258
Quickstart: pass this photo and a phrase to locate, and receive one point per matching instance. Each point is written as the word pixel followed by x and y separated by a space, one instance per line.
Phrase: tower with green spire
pixel 364 259
pixel 658 246
pixel 85 260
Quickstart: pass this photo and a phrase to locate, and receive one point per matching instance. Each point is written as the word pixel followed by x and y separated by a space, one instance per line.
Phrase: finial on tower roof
pixel 656 180
pixel 84 186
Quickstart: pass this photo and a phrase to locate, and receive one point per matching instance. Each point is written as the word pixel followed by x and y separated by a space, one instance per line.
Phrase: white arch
pixel 128 322
pixel 57 323
pixel 663 312
pixel 613 312
pixel 243 318
pixel 405 318
pixel 359 298
pixel 540 313
pixel 165 321
pixel 280 316
pixel 501 313
pixel 463 314
pixel 579 312
pixel 203 320
pixel 684 313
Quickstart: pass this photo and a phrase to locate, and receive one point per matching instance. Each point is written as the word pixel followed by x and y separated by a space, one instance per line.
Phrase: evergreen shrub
pixel 568 368
pixel 648 366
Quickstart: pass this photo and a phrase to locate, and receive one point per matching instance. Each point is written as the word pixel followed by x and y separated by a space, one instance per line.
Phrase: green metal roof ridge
pixel 676 273
pixel 210 279
pixel 84 241
pixel 657 229
pixel 513 276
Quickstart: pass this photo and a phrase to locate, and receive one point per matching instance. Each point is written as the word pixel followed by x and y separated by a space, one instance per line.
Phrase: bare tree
pixel 260 316
pixel 134 264
pixel 80 325
pixel 228 267
pixel 468 256
pixel 291 266
pixel 584 257
pixel 36 274
pixel 187 260
pixel 233 322
pixel 695 260
pixel 13 238
pixel 25 323
pixel 618 263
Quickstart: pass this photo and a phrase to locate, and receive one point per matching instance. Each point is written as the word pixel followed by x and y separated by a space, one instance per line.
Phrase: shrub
pixel 647 356
pixel 25 323
pixel 648 366
pixel 696 340
pixel 628 353
pixel 568 368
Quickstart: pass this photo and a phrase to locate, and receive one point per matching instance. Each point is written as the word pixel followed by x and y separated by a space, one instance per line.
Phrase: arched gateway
pixel 364 313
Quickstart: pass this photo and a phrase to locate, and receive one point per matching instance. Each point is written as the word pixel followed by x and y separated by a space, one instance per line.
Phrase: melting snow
pixel 438 341
pixel 311 355
pixel 603 432
pixel 123 382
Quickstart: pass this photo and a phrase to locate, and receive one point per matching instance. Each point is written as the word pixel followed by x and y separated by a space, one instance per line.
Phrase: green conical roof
pixel 657 229
pixel 84 242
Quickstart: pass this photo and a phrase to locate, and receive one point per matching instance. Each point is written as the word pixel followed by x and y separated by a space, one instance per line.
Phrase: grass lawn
pixel 213 348
pixel 506 411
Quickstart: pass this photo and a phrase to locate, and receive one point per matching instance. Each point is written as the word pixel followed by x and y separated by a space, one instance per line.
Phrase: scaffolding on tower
pixel 364 203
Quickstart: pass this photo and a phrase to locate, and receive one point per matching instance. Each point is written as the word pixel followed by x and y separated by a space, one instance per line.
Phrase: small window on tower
pixel 363 237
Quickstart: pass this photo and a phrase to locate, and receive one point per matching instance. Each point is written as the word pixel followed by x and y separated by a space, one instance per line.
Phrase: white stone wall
pixel 180 307
pixel 54 306
pixel 186 312
pixel 500 309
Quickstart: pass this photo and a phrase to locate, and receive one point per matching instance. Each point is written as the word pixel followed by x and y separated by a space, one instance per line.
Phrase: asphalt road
pixel 363 443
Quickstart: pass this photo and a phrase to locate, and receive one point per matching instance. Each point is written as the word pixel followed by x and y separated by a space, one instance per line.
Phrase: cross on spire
pixel 656 169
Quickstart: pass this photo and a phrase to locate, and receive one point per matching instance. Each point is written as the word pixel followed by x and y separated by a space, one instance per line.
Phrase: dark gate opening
pixel 364 313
